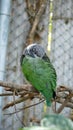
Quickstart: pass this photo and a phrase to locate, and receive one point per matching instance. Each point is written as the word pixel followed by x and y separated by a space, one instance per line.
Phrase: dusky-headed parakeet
pixel 39 71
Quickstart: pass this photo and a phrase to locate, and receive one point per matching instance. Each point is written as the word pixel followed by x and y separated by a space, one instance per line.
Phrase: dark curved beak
pixel 29 53
pixel 21 59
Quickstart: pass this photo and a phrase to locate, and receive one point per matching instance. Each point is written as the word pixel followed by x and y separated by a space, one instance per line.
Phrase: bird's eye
pixel 34 50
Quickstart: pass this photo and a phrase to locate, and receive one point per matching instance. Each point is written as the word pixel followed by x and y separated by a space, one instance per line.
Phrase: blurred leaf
pixel 58 121
pixel 39 128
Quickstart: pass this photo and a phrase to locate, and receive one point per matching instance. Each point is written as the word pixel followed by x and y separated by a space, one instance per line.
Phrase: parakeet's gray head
pixel 34 50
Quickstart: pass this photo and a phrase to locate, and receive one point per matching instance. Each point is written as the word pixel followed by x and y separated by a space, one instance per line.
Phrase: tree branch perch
pixel 27 91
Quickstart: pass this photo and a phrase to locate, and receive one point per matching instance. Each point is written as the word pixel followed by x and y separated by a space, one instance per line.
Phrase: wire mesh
pixel 19 27
pixel 62 43
pixel 62 47
pixel 61 50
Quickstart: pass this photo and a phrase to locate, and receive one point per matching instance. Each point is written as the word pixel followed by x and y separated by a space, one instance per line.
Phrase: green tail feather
pixel 48 103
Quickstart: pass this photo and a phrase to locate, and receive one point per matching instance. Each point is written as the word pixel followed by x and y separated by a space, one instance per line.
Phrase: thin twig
pixel 36 21
pixel 19 100
pixel 64 104
pixel 21 109
pixel 64 88
pixel 16 109
pixel 32 105
pixel 69 104
pixel 6 94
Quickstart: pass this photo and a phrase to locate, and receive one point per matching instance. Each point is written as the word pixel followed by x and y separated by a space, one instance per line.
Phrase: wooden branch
pixel 19 100
pixel 27 91
pixel 6 94
pixel 71 117
pixel 64 104
pixel 64 88
pixel 21 109
pixel 13 86
pixel 69 104
pixel 36 21
pixel 35 120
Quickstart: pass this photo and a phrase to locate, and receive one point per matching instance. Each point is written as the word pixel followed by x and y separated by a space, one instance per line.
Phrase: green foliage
pixel 58 121
pixel 53 122
pixel 40 128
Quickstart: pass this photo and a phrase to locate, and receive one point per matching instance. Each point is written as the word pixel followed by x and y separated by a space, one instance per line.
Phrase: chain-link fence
pixel 19 27
pixel 62 42
pixel 61 50
pixel 62 46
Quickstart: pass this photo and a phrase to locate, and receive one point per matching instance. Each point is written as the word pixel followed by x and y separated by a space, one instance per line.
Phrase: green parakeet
pixel 39 71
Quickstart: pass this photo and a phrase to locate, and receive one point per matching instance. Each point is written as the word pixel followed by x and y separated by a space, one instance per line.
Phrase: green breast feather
pixel 41 75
